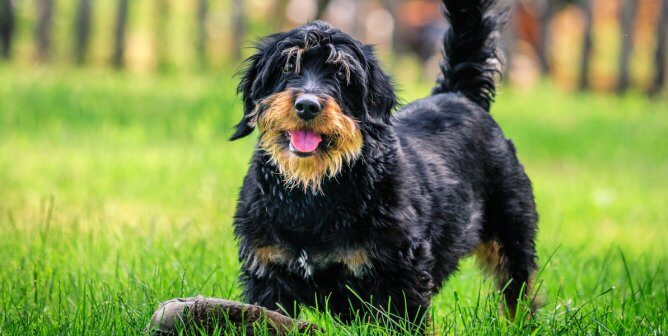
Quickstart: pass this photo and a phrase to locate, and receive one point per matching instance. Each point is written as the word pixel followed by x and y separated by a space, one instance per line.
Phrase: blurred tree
pixel 238 26
pixel 358 30
pixel 546 11
pixel 82 27
pixel 322 7
pixel 118 57
pixel 279 19
pixel 533 18
pixel 6 28
pixel 44 28
pixel 161 41
pixel 419 27
pixel 587 44
pixel 398 44
pixel 660 53
pixel 628 11
pixel 507 39
pixel 202 35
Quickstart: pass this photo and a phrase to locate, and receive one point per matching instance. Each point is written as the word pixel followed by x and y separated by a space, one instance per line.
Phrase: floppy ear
pixel 380 98
pixel 256 79
pixel 245 88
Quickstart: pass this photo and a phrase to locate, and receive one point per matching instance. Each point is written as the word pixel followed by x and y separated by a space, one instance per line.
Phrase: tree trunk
pixel 507 39
pixel 358 29
pixel 660 53
pixel 279 20
pixel 44 27
pixel 6 28
pixel 161 46
pixel 118 57
pixel 202 35
pixel 238 26
pixel 82 28
pixel 627 19
pixel 398 45
pixel 547 10
pixel 587 45
pixel 322 6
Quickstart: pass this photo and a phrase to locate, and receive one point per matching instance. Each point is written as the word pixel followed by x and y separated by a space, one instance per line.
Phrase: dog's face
pixel 311 92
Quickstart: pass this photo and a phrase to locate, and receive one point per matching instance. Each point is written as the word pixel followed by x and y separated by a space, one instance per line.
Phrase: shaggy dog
pixel 352 208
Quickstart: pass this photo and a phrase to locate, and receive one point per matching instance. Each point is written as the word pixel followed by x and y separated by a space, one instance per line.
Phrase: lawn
pixel 117 192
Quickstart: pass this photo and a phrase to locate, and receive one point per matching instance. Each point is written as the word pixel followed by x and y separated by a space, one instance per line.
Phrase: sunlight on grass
pixel 117 192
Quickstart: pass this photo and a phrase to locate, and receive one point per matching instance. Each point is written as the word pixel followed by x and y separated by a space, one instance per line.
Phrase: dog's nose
pixel 307 106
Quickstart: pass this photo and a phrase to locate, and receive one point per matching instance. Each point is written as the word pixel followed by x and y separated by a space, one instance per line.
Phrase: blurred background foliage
pixel 607 45
pixel 118 185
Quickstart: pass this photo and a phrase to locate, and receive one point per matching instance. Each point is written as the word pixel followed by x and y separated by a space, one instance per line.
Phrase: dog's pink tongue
pixel 305 141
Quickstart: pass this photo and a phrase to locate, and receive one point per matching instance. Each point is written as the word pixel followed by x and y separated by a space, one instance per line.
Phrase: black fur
pixel 434 181
pixel 469 53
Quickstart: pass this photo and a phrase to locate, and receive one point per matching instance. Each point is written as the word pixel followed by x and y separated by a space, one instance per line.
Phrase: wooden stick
pixel 200 313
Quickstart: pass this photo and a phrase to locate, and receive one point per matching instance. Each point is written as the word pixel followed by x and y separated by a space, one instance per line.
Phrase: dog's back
pixel 455 120
pixel 469 164
pixel 453 125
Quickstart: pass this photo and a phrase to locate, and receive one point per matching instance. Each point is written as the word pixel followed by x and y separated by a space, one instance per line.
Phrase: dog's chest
pixel 355 261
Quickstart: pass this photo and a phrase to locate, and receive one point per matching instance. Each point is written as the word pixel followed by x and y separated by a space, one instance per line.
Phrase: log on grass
pixel 200 313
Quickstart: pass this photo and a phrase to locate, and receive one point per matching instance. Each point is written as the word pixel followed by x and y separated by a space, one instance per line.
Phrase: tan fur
pixel 491 261
pixel 261 257
pixel 271 255
pixel 341 130
pixel 356 260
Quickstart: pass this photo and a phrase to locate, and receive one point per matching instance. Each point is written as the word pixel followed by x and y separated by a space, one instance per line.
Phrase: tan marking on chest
pixel 356 260
pixel 261 257
pixel 272 255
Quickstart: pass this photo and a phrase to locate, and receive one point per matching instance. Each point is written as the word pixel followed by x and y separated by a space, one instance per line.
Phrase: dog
pixel 351 207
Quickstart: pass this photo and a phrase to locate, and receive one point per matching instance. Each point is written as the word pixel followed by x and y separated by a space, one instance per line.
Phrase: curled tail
pixel 471 60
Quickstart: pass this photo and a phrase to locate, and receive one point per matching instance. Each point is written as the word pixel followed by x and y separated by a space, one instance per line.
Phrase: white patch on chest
pixel 303 263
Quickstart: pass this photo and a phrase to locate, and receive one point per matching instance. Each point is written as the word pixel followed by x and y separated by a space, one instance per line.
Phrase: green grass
pixel 117 192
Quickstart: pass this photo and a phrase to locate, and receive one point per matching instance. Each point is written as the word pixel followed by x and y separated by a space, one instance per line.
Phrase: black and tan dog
pixel 345 202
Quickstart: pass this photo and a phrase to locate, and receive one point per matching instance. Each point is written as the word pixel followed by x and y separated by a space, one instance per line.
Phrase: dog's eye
pixel 341 75
pixel 289 67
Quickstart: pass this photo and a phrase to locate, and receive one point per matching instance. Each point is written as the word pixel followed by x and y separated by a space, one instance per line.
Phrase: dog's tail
pixel 471 60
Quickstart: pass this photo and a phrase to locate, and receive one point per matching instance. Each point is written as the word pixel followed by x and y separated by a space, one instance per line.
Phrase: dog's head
pixel 312 92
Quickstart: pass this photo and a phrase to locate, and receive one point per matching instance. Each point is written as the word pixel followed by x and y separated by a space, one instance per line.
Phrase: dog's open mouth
pixel 304 142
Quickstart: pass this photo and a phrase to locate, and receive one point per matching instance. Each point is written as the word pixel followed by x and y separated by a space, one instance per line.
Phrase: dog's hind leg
pixel 508 251
pixel 513 283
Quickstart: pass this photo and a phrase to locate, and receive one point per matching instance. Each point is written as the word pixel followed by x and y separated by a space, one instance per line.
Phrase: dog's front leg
pixel 274 292
pixel 406 298
pixel 404 285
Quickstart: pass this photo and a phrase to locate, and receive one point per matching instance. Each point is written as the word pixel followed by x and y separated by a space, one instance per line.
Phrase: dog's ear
pixel 256 75
pixel 245 89
pixel 380 98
